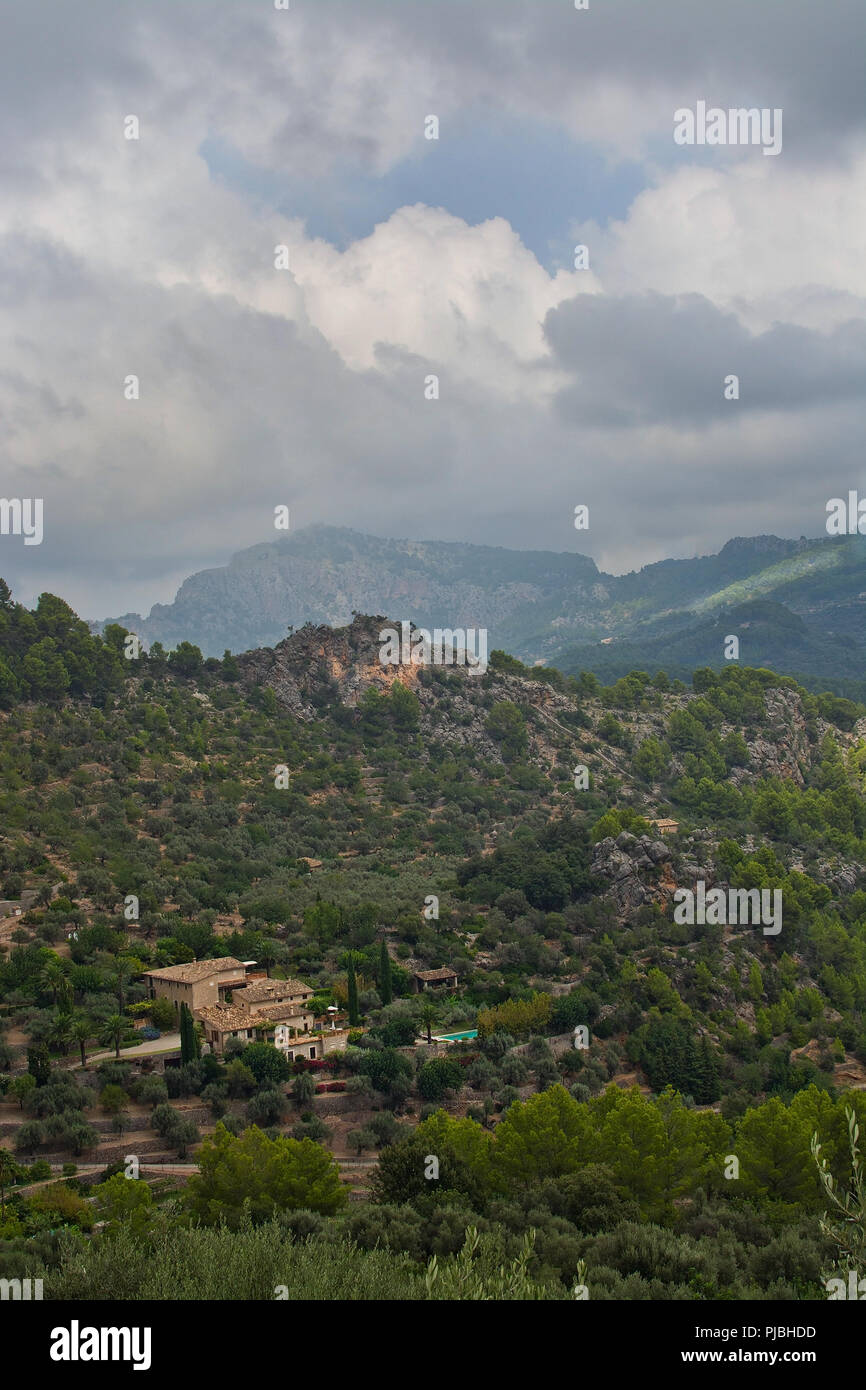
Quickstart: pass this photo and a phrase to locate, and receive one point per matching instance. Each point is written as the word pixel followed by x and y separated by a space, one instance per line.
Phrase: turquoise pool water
pixel 455 1037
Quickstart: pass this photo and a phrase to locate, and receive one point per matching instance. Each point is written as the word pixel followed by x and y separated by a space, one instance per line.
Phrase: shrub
pixel 152 1090
pixel 29 1136
pixel 266 1108
pixel 437 1077
pixel 113 1099
pixel 268 1065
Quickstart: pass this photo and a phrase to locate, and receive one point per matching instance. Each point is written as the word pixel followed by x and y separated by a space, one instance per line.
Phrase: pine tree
pixel 352 984
pixel 705 1074
pixel 386 987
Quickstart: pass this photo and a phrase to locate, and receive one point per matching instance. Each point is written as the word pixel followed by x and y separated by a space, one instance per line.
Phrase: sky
pixel 301 378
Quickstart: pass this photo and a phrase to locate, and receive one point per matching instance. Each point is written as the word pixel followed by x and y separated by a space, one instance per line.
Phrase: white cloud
pixel 781 243
pixel 471 299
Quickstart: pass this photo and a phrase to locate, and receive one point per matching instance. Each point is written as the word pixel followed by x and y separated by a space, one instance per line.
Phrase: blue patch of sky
pixel 530 172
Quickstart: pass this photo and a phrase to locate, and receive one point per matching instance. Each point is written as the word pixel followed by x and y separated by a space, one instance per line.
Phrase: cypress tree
pixel 187 1036
pixel 352 983
pixel 386 988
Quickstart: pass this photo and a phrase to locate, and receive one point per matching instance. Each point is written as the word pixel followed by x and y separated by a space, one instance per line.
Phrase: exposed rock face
pixel 784 749
pixel 631 866
pixel 842 876
pixel 320 665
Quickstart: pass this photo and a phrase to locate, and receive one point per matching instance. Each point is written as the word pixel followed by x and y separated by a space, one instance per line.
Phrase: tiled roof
pixel 228 1017
pixel 264 990
pixel 196 970
pixel 443 973
pixel 279 1011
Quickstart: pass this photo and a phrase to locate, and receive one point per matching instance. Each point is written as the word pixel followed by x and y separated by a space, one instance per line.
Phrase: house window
pixel 312 1052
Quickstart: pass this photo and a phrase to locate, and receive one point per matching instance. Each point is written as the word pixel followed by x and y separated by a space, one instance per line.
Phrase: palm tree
pixel 61 1032
pixel 267 956
pixel 82 1032
pixel 51 977
pixel 121 970
pixel 113 1032
pixel 428 1014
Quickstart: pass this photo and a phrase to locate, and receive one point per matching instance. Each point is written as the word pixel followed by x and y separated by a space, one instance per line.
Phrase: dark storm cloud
pixel 656 359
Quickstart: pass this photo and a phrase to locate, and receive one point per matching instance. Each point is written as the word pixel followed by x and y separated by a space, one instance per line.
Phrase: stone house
pixel 313 1045
pixel 258 1024
pixel 666 826
pixel 272 992
pixel 198 984
pixel 291 1027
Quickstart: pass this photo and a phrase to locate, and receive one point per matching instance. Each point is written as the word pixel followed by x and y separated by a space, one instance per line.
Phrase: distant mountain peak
pixel 542 606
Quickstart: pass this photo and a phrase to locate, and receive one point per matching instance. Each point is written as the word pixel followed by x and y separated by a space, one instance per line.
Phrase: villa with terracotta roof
pixel 198 983
pixel 238 1020
pixel 288 1026
pixel 666 826
pixel 232 999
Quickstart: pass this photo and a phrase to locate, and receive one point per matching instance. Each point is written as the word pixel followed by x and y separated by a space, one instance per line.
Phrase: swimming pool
pixel 456 1037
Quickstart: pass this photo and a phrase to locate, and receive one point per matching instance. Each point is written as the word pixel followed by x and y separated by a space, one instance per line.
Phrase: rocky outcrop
pixel 842 876
pixel 634 867
pixel 320 666
pixel 783 748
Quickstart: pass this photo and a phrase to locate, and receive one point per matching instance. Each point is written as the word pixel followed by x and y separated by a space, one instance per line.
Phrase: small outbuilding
pixel 442 978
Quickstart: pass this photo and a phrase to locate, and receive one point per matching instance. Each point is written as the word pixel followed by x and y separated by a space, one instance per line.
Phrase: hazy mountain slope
pixel 539 605
pixel 323 574
pixel 770 636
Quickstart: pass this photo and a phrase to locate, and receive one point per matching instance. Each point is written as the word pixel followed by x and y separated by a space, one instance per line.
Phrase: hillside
pixel 556 901
pixel 769 635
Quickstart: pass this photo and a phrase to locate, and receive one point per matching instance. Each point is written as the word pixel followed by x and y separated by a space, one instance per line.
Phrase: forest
pixel 643 1108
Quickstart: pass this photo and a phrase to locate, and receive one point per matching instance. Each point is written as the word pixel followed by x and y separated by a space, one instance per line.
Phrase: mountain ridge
pixel 546 607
